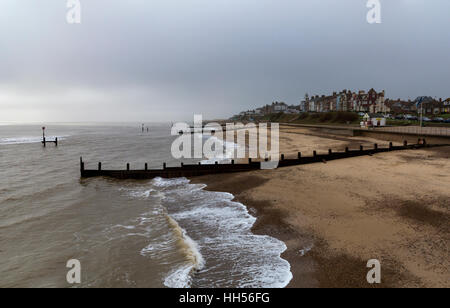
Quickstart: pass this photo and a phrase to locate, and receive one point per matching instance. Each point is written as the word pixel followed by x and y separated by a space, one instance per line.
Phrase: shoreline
pixel 269 221
pixel 329 244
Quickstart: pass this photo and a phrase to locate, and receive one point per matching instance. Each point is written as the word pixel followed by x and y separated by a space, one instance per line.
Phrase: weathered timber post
pixel 330 151
pixel 390 145
pixel 361 148
pixel 314 153
pixel 128 166
pixel 43 136
pixel 99 166
pixel 375 146
pixel 56 141
pixel 282 156
pixel 299 155
pixel 164 166
pixel 346 149
pixel 146 166
pixel 81 164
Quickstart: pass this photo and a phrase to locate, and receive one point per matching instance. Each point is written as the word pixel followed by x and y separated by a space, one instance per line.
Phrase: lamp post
pixel 421 116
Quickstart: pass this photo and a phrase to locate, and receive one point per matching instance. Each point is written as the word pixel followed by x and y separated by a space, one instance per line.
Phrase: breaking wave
pixel 213 233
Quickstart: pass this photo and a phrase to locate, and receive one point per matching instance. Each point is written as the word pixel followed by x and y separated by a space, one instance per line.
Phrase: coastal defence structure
pixel 434 135
pixel 45 141
pixel 191 170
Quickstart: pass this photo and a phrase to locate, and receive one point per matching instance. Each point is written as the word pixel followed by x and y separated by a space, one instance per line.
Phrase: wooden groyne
pixel 45 141
pixel 191 170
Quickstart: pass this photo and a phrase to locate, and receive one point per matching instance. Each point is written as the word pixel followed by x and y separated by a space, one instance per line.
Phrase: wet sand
pixel 335 216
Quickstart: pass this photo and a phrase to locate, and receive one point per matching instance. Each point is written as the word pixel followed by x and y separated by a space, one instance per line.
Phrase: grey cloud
pixel 153 60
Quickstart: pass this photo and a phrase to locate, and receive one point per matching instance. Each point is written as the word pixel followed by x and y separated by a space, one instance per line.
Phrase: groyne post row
pixel 45 141
pixel 190 170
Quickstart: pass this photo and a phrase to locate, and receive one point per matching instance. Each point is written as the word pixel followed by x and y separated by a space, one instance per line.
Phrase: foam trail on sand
pixel 26 140
pixel 227 156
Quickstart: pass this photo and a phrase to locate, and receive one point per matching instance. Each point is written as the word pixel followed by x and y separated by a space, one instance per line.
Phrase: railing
pixel 417 130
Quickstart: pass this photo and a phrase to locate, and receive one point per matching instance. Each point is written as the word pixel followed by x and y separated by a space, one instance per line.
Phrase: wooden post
pixel 282 156
pixel 330 151
pixel 390 145
pixel 182 165
pixel 299 155
pixel 99 166
pixel 346 149
pixel 56 141
pixel 128 166
pixel 375 146
pixel 314 153
pixel 164 165
pixel 361 148
pixel 249 161
pixel 81 164
pixel 146 166
pixel 405 143
pixel 44 142
pixel 232 161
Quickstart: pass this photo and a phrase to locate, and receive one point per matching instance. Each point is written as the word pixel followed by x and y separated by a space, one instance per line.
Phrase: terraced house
pixel 346 100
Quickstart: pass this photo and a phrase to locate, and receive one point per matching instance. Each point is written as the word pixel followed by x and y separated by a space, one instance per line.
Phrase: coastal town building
pixel 400 106
pixel 278 107
pixel 371 102
pixel 446 106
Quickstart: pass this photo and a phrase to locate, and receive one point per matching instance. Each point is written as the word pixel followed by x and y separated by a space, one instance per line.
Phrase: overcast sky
pixel 164 60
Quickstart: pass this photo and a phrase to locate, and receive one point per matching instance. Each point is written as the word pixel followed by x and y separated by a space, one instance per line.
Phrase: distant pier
pixel 191 170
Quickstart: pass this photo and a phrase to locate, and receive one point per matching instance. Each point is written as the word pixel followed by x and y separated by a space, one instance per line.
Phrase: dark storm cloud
pixel 164 60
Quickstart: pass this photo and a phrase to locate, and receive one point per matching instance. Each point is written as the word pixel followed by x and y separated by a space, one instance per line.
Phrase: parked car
pixel 410 117
pixel 447 120
pixel 438 120
pixel 399 117
pixel 426 119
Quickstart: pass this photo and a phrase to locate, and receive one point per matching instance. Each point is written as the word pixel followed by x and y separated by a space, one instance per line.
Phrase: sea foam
pixel 219 233
pixel 26 140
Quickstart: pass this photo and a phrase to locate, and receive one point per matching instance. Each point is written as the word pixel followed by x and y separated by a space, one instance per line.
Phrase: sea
pixel 125 233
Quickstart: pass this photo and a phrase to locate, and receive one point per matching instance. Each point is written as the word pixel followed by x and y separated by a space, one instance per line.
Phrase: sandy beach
pixel 335 216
